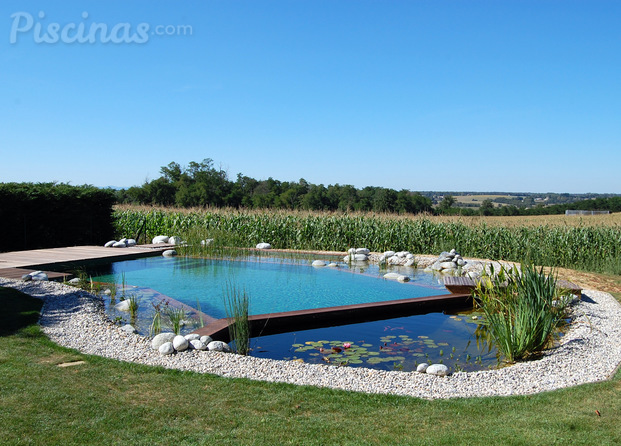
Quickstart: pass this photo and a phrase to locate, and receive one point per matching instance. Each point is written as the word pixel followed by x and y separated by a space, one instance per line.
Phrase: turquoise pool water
pixel 274 285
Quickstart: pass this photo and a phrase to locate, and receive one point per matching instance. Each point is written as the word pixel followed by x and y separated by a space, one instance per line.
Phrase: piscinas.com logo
pixel 85 31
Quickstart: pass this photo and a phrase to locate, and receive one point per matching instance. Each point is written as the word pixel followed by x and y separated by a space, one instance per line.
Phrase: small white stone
pixel 160 339
pixel 205 339
pixel 160 239
pixel 421 368
pixel 264 246
pixel 192 336
pixel 110 244
pixel 198 345
pixel 169 253
pixel 319 263
pixel 219 346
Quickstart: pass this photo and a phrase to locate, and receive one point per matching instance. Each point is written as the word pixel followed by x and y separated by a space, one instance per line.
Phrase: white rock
pixel 360 257
pixel 422 368
pixel 401 254
pixel 396 276
pixel 438 370
pixel 122 305
pixel 166 348
pixel 319 263
pixel 74 281
pixel 410 262
pixel 409 256
pixel 39 275
pixel 205 339
pixel 389 254
pixel 219 346
pixel 174 240
pixel 448 265
pixel 180 343
pixel 207 242
pixel 264 246
pixel 119 245
pixel 110 244
pixel 453 251
pixel 198 345
pixel 333 265
pixel 123 240
pixel 160 239
pixel 169 253
pixel 192 336
pixel 107 292
pixel 131 242
pixel 162 338
pixel 461 262
pixel 394 260
pixel 364 251
pixel 129 328
pixel 351 251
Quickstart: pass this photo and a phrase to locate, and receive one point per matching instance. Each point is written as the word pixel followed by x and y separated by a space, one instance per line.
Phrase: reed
pixel 236 304
pixel 176 317
pixel 522 309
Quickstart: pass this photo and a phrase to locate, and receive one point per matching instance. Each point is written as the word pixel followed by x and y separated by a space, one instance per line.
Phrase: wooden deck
pixel 274 323
pixel 460 285
pixel 13 265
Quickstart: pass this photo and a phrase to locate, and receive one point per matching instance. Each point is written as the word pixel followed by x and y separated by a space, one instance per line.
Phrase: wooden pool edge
pixel 275 323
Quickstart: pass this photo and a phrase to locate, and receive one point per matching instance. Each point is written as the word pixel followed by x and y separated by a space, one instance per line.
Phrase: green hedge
pixel 49 215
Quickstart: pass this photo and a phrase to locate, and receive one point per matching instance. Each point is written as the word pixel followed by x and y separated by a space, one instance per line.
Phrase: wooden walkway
pixel 460 285
pixel 13 265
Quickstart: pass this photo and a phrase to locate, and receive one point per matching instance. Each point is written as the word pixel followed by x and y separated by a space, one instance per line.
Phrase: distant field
pixel 478 199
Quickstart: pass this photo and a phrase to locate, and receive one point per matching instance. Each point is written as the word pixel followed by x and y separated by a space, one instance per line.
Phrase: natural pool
pixel 286 284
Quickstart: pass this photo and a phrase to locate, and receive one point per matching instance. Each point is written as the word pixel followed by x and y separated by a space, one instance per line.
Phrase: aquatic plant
pixel 522 309
pixel 156 324
pixel 176 317
pixel 236 305
pixel 133 304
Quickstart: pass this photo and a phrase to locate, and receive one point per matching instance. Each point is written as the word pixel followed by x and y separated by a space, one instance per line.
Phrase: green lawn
pixel 109 402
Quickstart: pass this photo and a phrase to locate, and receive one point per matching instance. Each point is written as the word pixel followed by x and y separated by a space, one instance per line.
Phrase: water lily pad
pixel 423 337
pixel 443 344
pixel 367 345
pixel 355 361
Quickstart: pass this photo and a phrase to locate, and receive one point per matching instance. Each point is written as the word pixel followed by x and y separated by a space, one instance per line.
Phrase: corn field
pixel 594 248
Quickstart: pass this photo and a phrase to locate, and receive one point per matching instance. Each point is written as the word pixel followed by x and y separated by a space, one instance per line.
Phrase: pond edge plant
pixel 236 304
pixel 522 309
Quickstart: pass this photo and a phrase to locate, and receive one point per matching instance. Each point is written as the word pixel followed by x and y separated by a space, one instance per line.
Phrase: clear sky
pixel 516 96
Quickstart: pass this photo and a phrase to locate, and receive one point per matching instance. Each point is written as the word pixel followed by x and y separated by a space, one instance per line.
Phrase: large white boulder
pixel 319 263
pixel 169 253
pixel 119 244
pixel 205 339
pixel 110 244
pixel 122 306
pixel 218 346
pixel 438 370
pixel 396 276
pixel 130 242
pixel 160 339
pixel 264 246
pixel 363 251
pixel 196 344
pixel 192 336
pixel 174 240
pixel 166 348
pixel 39 275
pixel 180 343
pixel 128 328
pixel 160 239
pixel 389 254
pixel 422 368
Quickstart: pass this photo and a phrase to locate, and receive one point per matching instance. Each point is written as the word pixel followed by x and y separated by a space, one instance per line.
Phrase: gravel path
pixel 589 352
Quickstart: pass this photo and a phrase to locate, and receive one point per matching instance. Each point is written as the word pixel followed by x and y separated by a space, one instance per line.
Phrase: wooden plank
pixel 41 258
pixel 459 285
pixel 273 323
pixel 17 273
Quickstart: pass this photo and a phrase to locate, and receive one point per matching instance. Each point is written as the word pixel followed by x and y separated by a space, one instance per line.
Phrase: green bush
pixel 48 215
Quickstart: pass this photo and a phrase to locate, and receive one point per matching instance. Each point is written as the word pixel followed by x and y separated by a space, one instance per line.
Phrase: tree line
pixel 201 184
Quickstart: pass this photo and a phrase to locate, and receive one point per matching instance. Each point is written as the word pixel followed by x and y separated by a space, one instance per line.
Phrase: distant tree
pixel 447 202
pixel 487 207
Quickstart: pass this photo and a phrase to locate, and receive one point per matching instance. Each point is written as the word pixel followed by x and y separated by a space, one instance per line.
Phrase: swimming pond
pixel 283 284
pixel 273 284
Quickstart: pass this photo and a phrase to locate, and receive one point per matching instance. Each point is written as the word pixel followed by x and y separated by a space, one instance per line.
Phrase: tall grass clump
pixel 522 309
pixel 176 317
pixel 133 304
pixel 236 304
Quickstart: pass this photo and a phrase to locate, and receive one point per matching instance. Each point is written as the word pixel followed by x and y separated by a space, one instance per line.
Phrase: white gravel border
pixel 589 352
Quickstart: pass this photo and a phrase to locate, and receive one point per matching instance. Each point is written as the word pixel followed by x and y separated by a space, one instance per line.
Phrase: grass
pixel 110 402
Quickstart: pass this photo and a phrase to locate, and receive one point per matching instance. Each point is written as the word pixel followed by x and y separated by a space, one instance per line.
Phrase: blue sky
pixel 516 96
